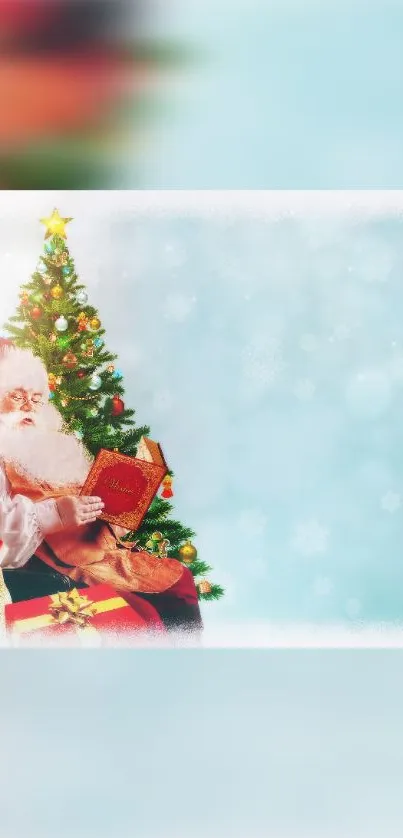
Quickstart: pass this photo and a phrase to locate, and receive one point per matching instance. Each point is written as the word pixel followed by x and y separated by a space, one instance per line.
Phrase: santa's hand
pixel 78 511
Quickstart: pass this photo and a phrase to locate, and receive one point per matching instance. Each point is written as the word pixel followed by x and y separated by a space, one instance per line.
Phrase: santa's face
pixel 32 438
pixel 19 407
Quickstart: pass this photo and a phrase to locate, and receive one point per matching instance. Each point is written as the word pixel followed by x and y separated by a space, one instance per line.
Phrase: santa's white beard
pixel 42 453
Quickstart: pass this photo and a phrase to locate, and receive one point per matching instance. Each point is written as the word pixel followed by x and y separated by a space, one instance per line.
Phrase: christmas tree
pixel 56 321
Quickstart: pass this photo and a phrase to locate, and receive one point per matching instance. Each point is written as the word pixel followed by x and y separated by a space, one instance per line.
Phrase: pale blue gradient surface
pixel 288 94
pixel 201 745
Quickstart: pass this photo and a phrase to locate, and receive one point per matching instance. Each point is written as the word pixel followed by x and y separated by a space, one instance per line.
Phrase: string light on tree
pixel 60 259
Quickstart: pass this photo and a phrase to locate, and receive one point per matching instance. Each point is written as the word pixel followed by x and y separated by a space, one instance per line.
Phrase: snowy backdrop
pixel 261 338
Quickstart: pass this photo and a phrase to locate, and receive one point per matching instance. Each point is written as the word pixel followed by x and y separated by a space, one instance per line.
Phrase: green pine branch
pixel 216 593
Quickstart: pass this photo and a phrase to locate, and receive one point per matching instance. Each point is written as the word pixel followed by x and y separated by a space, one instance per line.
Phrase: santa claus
pixel 51 538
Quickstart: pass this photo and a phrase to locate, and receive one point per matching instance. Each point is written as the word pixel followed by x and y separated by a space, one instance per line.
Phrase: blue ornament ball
pixel 98 342
pixel 117 374
pixel 49 247
pixel 51 396
pixel 66 270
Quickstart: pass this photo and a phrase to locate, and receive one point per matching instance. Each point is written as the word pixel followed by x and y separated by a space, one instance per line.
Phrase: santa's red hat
pixel 20 368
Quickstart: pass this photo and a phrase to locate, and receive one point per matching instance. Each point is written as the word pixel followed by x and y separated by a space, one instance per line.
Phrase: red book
pixel 127 485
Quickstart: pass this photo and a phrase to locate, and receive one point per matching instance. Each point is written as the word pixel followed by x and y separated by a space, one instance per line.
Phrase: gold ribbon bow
pixel 71 607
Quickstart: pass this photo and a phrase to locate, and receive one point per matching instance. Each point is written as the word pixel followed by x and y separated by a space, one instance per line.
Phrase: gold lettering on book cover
pixel 119 487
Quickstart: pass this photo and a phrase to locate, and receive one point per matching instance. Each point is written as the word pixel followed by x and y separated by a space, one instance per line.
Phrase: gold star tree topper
pixel 55 225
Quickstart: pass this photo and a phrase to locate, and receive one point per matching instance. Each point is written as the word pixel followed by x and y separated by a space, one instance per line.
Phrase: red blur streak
pixel 45 98
pixel 19 17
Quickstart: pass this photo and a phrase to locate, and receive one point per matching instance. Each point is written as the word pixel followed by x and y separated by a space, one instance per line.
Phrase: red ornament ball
pixel 117 406
pixel 81 374
pixel 36 313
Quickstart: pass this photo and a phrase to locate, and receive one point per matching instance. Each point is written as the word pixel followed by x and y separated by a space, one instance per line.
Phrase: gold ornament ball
pixel 188 552
pixel 95 323
pixel 57 292
pixel 157 536
pixel 204 587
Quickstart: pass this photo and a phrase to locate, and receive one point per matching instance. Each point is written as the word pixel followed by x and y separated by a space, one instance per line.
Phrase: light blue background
pixel 288 94
pixel 201 744
pixel 267 357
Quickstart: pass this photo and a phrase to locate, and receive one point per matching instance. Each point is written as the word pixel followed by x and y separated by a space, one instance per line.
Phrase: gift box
pixel 88 617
